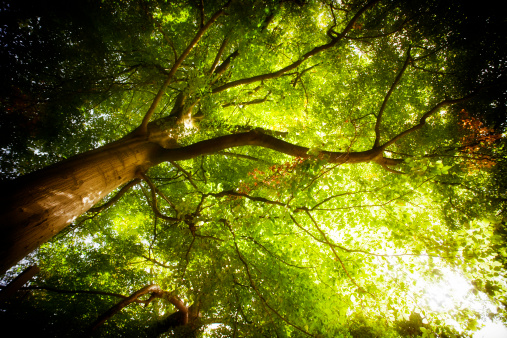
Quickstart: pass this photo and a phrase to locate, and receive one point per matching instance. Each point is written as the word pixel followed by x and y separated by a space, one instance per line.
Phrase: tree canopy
pixel 322 167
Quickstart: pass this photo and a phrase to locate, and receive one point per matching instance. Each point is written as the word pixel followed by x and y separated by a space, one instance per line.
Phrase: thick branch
pixel 143 128
pixel 23 278
pixel 386 99
pixel 118 307
pixel 247 157
pixel 306 56
pixel 256 138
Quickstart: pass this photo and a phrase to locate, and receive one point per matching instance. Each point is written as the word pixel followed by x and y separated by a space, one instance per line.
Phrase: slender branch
pixel 161 30
pixel 338 195
pixel 300 74
pixel 117 197
pixel 154 200
pixel 154 261
pixel 187 254
pixel 88 292
pixel 201 8
pixel 399 28
pixel 224 66
pixel 254 287
pixel 219 55
pixel 334 252
pixel 386 99
pixel 423 119
pixel 276 256
pixel 398 172
pixel 247 103
pixel 143 128
pixel 239 194
pixel 186 173
pixel 303 58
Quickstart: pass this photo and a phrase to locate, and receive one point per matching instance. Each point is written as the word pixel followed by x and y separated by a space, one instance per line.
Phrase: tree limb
pixel 386 99
pixel 88 292
pixel 246 103
pixel 143 128
pixel 219 55
pixel 335 254
pixel 423 119
pixel 154 200
pixel 117 197
pixel 156 292
pixel 303 58
pixel 257 138
pixel 254 287
pixel 119 306
pixel 239 194
pixel 186 173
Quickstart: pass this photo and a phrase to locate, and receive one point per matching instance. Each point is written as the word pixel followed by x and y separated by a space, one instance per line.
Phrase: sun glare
pixel 453 293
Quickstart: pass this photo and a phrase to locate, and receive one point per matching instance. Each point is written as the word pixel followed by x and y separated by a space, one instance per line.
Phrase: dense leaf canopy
pixel 287 234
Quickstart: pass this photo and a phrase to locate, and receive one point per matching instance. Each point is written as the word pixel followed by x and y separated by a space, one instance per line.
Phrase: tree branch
pixel 224 66
pixel 239 194
pixel 306 56
pixel 186 173
pixel 88 292
pixel 246 103
pixel 276 256
pixel 119 306
pixel 334 253
pixel 143 128
pixel 156 292
pixel 154 206
pixel 257 138
pixel 154 261
pixel 386 99
pixel 252 284
pixel 219 55
pixel 117 197
pixel 423 119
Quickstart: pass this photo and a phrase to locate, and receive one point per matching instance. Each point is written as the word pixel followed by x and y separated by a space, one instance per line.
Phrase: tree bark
pixel 35 207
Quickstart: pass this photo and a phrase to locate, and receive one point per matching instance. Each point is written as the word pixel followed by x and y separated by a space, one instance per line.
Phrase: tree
pixel 351 172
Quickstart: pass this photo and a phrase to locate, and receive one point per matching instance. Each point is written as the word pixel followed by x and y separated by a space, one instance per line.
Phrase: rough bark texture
pixel 37 206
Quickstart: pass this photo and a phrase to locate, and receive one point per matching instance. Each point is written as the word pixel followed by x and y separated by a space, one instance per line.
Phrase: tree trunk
pixel 37 206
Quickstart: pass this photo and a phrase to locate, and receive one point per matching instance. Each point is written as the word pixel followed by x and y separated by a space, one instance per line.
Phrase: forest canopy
pixel 265 168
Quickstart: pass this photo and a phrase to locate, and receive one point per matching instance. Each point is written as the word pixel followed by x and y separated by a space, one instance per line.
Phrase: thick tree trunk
pixel 37 206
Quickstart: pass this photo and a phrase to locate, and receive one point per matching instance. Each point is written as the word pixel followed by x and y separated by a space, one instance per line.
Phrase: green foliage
pixel 263 243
